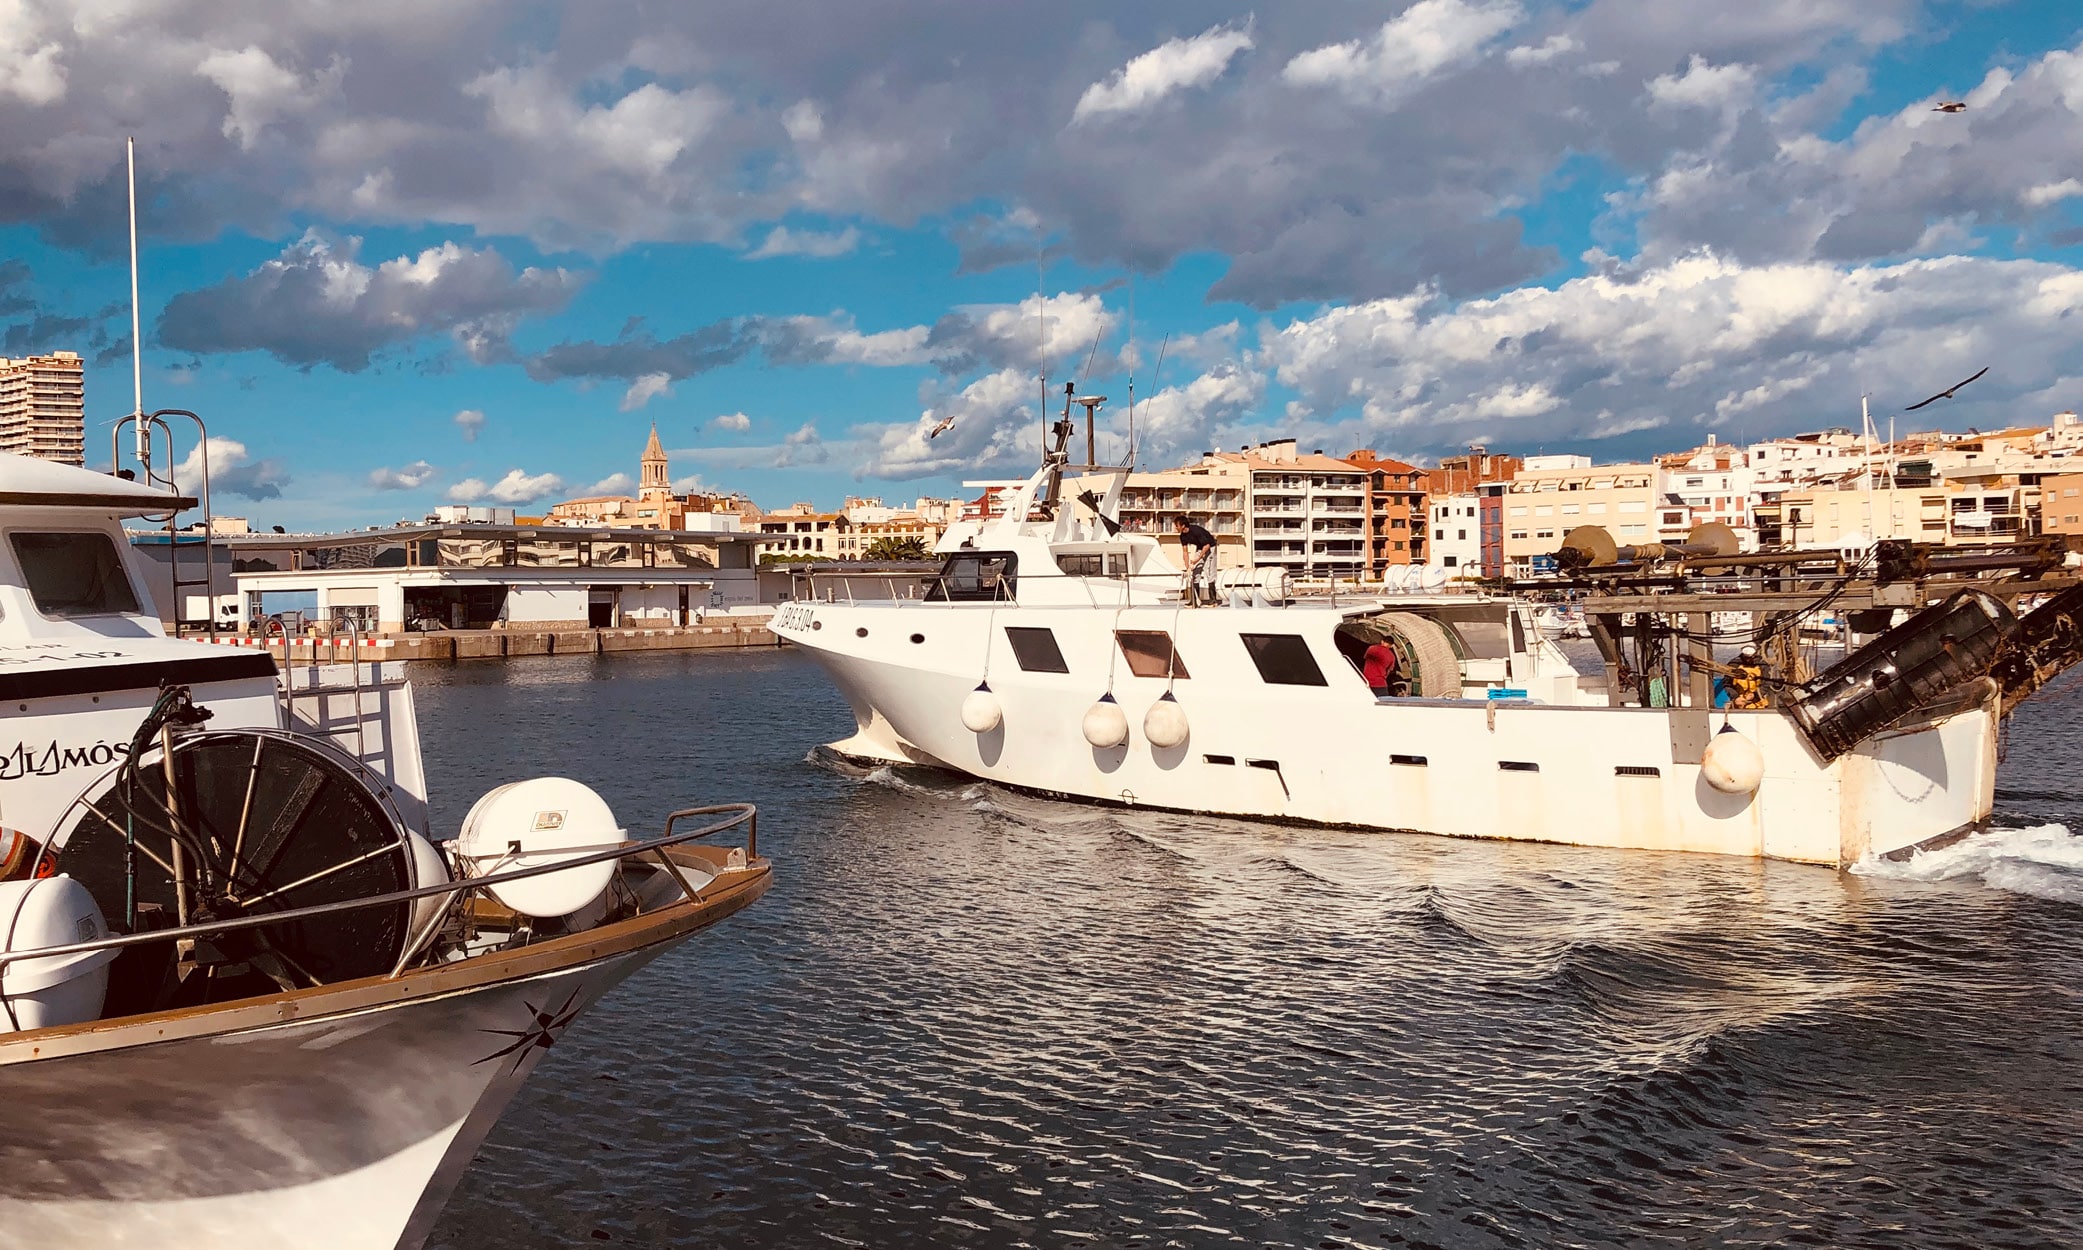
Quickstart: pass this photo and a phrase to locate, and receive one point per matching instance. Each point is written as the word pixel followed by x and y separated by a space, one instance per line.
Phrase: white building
pixel 1456 534
pixel 495 576
pixel 43 407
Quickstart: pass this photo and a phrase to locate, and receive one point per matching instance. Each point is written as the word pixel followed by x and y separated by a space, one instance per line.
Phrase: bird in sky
pixel 1944 394
pixel 946 424
pixel 1950 106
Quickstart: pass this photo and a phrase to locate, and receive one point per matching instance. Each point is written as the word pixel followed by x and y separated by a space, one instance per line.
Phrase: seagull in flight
pixel 948 423
pixel 1950 106
pixel 1944 394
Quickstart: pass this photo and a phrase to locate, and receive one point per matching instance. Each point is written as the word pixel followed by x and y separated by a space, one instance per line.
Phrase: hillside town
pixel 1356 517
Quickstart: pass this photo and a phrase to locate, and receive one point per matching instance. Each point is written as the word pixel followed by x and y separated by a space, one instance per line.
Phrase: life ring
pixel 22 857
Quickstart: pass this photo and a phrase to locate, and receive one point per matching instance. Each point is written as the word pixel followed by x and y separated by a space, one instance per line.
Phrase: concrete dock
pixel 498 644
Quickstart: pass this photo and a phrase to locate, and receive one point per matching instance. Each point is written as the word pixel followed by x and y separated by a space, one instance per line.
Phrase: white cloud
pixel 735 422
pixel 803 447
pixel 782 241
pixel 232 471
pixel 405 477
pixel 645 389
pixel 1715 88
pixel 517 487
pixel 470 421
pixel 612 484
pixel 1416 44
pixel 32 67
pixel 1175 65
pixel 1701 342
pixel 2046 193
pixel 1542 53
pixel 317 303
pixel 262 91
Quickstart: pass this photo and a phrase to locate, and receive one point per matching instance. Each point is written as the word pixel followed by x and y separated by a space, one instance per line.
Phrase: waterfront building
pixel 801 530
pixel 497 576
pixel 1711 484
pixel 43 407
pixel 1306 513
pixel 653 507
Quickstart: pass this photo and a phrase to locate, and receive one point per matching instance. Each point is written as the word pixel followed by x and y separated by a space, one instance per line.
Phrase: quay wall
pixel 503 644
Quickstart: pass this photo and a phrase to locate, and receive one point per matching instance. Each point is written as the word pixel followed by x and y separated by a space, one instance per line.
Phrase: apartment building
pixel 1212 493
pixel 1711 484
pixel 43 407
pixel 1552 495
pixel 1306 513
pixel 1396 518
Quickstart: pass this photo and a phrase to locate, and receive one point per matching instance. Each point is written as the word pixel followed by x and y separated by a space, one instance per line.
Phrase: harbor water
pixel 968 1017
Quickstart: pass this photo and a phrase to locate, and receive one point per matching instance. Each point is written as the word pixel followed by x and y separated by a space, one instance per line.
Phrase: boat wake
pixel 2045 861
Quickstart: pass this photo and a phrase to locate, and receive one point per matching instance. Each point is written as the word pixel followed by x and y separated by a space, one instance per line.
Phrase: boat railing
pixel 740 814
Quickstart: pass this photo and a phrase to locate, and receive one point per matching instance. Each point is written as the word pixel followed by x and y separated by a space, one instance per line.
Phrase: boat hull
pixel 353 1110
pixel 1622 777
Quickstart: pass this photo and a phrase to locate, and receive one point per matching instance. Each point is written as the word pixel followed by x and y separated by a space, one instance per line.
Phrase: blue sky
pixel 800 237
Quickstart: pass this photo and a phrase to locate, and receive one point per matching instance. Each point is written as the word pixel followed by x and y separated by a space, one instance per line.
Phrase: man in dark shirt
pixel 1199 546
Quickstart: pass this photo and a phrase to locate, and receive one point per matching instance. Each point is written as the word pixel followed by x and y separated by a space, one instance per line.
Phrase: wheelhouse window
pixel 1150 653
pixel 976 576
pixel 1284 659
pixel 74 574
pixel 1036 649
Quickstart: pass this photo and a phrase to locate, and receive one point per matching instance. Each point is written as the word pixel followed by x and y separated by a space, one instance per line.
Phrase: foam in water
pixel 2045 861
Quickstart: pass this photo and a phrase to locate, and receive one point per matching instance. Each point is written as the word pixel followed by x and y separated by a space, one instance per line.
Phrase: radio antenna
pixel 137 359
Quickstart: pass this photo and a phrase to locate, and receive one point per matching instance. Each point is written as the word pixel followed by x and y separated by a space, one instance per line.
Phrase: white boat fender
pixel 1732 763
pixel 545 820
pixel 981 711
pixel 1165 723
pixel 1106 725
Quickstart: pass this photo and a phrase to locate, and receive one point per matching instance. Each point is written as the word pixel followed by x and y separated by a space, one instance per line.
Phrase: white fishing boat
pixel 245 997
pixel 1561 621
pixel 1057 653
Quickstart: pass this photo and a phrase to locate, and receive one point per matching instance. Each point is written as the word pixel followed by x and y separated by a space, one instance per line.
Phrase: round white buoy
pixel 981 711
pixel 1106 725
pixel 1732 763
pixel 1165 723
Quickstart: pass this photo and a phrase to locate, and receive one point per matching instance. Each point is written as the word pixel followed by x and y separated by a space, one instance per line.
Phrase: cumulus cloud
pixel 782 241
pixel 735 422
pixel 612 484
pixel 470 421
pixel 717 127
pixel 232 471
pixel 317 303
pixel 1541 53
pixel 1428 37
pixel 1702 342
pixel 406 477
pixel 646 388
pixel 1173 66
pixel 802 448
pixel 517 487
pixel 969 338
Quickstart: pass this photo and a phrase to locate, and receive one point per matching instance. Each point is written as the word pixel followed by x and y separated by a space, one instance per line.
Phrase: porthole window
pixel 1283 659
pixel 1036 649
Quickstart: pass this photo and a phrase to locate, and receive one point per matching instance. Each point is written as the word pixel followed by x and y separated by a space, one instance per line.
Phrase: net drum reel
pixel 203 825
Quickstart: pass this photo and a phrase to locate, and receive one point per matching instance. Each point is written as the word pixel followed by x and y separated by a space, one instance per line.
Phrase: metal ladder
pixel 145 426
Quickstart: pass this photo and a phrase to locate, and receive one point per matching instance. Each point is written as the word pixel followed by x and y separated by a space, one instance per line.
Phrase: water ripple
pixel 970 1017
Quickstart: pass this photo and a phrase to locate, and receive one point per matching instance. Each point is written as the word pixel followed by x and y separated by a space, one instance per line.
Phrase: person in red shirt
pixel 1378 666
